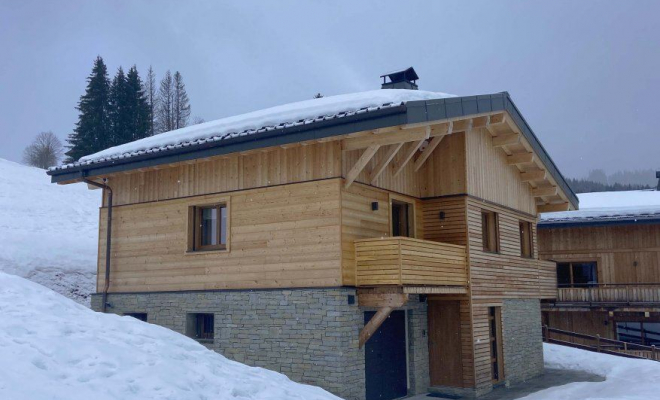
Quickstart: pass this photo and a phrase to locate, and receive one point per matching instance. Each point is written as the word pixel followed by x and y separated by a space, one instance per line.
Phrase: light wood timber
pixel 384 139
pixel 531 176
pixel 393 300
pixel 520 158
pixel 553 207
pixel 385 161
pixel 544 191
pixel 374 323
pixel 432 145
pixel 505 140
pixel 410 153
pixel 361 163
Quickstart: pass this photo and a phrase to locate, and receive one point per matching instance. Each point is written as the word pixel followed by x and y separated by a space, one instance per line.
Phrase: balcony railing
pixel 628 293
pixel 406 261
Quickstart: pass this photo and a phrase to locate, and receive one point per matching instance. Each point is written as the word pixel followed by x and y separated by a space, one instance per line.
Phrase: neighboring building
pixel 608 266
pixel 375 244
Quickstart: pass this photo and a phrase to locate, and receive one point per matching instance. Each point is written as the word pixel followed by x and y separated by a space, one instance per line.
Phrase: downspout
pixel 108 242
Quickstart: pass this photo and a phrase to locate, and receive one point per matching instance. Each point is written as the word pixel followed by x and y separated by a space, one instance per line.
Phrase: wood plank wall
pixel 624 253
pixel 282 236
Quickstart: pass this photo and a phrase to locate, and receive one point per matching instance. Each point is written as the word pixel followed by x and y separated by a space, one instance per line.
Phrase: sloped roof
pixel 606 208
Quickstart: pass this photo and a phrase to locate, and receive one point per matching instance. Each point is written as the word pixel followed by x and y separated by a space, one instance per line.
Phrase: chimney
pixel 401 79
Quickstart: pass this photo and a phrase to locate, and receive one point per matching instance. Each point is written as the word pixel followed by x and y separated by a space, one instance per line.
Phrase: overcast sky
pixel 585 75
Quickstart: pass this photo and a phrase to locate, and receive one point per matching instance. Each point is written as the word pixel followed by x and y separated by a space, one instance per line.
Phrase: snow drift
pixel 48 232
pixel 52 348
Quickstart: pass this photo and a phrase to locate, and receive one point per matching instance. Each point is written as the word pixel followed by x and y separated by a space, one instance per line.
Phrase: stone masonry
pixel 522 340
pixel 310 335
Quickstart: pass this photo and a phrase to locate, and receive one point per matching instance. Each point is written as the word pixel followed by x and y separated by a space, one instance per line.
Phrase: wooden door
pixel 445 358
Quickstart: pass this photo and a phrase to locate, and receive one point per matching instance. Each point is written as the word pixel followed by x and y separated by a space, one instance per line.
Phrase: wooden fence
pixel 611 293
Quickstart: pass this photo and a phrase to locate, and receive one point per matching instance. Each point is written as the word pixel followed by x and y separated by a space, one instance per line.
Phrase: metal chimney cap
pixel 400 79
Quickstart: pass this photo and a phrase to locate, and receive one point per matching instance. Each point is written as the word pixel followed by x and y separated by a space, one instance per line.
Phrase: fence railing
pixel 611 293
pixel 600 344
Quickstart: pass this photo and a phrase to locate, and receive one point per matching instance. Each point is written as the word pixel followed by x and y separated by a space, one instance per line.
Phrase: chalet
pixel 376 244
pixel 608 270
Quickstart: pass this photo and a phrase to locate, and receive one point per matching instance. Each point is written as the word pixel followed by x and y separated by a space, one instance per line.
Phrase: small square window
pixel 489 231
pixel 200 326
pixel 140 316
pixel 208 228
pixel 526 239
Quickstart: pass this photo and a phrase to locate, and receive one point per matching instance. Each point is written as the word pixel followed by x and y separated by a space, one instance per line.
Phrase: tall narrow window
pixel 489 231
pixel 577 274
pixel 496 350
pixel 402 219
pixel 209 227
pixel 526 239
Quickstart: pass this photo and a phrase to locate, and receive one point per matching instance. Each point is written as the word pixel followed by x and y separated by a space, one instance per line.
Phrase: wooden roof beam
pixel 543 191
pixel 532 176
pixel 553 207
pixel 362 162
pixel 410 153
pixel 385 161
pixel 520 158
pixel 384 139
pixel 432 145
pixel 505 140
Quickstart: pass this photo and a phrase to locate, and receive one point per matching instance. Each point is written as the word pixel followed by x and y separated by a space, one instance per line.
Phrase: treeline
pixel 588 186
pixel 126 108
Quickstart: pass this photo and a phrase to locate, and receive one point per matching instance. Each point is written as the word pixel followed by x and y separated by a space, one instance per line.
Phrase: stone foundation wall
pixel 522 340
pixel 311 335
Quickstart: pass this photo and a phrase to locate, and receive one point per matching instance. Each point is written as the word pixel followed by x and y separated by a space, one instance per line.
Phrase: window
pixel 526 239
pixel 577 274
pixel 496 350
pixel 489 231
pixel 402 219
pixel 200 326
pixel 140 316
pixel 644 333
pixel 209 228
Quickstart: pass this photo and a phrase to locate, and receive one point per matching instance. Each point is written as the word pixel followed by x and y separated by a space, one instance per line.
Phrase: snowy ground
pixel 52 348
pixel 48 232
pixel 626 378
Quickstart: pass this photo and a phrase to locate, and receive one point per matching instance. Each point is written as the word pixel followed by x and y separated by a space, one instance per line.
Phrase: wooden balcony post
pixel 598 343
pixel 546 333
pixel 654 352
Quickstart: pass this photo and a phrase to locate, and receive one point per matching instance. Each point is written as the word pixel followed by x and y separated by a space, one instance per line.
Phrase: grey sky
pixel 586 75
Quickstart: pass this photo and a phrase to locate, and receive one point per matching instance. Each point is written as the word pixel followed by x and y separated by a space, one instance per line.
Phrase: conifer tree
pixel 165 108
pixel 138 115
pixel 118 111
pixel 181 102
pixel 91 132
pixel 152 98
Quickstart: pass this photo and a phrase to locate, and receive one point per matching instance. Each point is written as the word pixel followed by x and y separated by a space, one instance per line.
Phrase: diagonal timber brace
pixel 387 303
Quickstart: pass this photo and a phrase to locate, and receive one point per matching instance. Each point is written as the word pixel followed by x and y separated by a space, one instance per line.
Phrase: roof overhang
pixel 597 222
pixel 412 112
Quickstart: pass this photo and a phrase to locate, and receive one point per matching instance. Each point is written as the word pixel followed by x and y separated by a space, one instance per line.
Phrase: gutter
pixel 108 241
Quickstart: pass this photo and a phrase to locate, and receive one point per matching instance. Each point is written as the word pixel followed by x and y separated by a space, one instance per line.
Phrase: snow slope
pixel 52 348
pixel 291 113
pixel 48 232
pixel 630 204
pixel 626 378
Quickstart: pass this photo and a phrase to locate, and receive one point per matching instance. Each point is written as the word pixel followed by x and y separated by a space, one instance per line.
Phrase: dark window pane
pixel 209 226
pixel 630 332
pixel 651 333
pixel 223 225
pixel 563 275
pixel 401 218
pixel 584 274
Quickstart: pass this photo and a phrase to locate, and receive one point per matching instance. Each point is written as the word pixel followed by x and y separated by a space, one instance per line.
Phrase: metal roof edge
pixel 592 223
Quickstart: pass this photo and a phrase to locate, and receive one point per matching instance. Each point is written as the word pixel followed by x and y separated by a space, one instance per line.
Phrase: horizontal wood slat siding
pixel 267 167
pixel 624 294
pixel 284 236
pixel 451 229
pixel 624 253
pixel 407 261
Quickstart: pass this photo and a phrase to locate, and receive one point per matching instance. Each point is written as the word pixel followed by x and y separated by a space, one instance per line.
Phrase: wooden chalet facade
pixel 375 253
pixel 608 272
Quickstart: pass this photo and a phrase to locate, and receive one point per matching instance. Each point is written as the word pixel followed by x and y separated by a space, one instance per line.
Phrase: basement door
pixel 445 359
pixel 385 358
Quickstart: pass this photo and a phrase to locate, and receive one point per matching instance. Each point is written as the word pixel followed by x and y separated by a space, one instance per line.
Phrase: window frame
pixel 643 333
pixel 137 315
pixel 195 228
pixel 412 227
pixel 526 239
pixel 195 321
pixel 572 284
pixel 490 233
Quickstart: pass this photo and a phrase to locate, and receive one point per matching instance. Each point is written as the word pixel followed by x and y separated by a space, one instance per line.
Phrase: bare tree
pixel 44 152
pixel 198 120
pixel 181 102
pixel 165 107
pixel 152 98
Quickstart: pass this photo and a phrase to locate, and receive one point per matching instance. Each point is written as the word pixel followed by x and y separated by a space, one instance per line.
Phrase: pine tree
pixel 151 97
pixel 181 102
pixel 91 132
pixel 165 108
pixel 118 112
pixel 138 115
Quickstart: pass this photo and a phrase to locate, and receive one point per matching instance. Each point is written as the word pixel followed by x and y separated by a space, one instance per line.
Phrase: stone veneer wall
pixel 522 340
pixel 310 335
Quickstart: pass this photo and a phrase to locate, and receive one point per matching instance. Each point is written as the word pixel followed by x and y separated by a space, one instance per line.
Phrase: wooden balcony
pixel 404 261
pixel 629 294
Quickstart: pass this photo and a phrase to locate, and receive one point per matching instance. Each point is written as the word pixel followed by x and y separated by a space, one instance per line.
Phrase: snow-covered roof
pixel 266 120
pixel 609 207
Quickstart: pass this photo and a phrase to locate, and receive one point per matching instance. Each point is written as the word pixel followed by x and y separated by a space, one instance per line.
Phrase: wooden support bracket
pixel 544 191
pixel 520 158
pixel 362 162
pixel 553 207
pixel 385 161
pixel 505 140
pixel 386 302
pixel 374 323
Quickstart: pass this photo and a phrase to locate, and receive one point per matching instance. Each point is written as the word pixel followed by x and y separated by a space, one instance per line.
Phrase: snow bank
pixel 48 232
pixel 52 348
pixel 626 378
pixel 611 206
pixel 307 111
